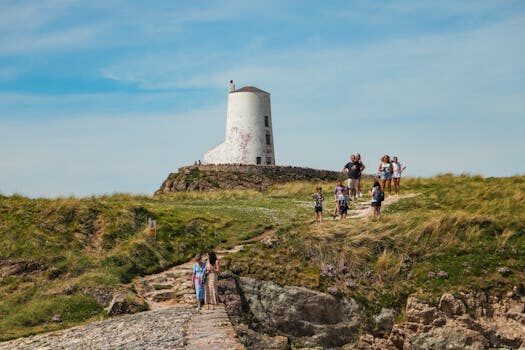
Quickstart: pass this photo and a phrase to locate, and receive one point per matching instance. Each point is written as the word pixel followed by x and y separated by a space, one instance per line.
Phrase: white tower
pixel 249 135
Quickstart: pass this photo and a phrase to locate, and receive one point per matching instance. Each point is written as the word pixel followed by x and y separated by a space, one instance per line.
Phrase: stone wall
pixel 238 176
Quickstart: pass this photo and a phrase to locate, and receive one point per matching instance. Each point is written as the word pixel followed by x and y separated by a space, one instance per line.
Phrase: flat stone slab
pixel 179 327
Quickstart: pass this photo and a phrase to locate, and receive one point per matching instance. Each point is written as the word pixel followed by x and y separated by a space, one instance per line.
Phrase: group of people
pixel 204 279
pixel 388 170
pixel 205 272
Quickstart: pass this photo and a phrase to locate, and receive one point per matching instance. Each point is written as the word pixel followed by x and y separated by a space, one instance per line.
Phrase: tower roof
pixel 250 89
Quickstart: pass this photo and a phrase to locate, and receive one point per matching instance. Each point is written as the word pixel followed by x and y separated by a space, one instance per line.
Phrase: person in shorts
pixel 343 203
pixel 352 169
pixel 385 173
pixel 377 197
pixel 361 169
pixel 318 206
pixel 338 196
pixel 397 169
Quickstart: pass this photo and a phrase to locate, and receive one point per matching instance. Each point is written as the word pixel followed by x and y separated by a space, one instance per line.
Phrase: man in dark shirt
pixel 353 169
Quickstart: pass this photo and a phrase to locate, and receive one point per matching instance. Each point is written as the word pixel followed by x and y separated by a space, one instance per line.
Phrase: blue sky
pixel 110 96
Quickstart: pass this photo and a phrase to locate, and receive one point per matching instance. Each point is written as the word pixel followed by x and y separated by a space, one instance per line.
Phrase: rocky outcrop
pixel 306 317
pixel 126 303
pixel 238 176
pixel 12 268
pixel 468 321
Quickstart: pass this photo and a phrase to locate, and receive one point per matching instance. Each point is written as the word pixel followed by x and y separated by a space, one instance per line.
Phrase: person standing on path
pixel 352 168
pixel 213 269
pixel 377 197
pixel 197 280
pixel 338 195
pixel 385 173
pixel 397 169
pixel 361 169
pixel 318 206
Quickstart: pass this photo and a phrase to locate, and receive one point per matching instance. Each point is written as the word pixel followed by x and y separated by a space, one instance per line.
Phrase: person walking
pixel 397 169
pixel 318 206
pixel 197 280
pixel 213 269
pixel 385 173
pixel 377 197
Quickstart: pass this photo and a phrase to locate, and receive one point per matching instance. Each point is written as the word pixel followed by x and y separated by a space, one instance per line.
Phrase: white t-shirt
pixel 397 168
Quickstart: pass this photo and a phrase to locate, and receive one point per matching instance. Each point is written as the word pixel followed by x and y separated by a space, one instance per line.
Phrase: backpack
pixel 380 196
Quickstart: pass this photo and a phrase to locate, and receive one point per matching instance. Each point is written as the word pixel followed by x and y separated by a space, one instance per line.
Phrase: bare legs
pixel 396 185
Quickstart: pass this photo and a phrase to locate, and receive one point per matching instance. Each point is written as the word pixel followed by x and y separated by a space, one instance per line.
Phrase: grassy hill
pixel 455 233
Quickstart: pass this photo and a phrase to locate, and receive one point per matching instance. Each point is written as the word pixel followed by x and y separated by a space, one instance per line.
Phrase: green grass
pixel 467 226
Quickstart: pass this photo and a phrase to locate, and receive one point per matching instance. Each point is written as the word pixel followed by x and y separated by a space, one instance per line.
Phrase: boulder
pixel 308 317
pixel 258 341
pixel 448 338
pixel 126 303
pixel 451 306
pixel 384 322
pixel 420 312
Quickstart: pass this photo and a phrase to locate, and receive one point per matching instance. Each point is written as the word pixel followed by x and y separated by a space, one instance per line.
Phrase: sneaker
pixel 360 195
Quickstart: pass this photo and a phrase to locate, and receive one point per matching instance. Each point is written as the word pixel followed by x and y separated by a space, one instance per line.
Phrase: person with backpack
pixel 377 197
pixel 343 203
pixel 318 206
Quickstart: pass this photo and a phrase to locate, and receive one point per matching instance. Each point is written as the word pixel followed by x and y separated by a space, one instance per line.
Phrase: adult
pixel 397 169
pixel 197 280
pixel 352 168
pixel 361 168
pixel 385 173
pixel 213 269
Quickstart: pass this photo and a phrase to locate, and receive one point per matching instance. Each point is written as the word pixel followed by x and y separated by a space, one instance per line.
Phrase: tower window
pixel 259 160
pixel 268 160
pixel 268 139
pixel 266 121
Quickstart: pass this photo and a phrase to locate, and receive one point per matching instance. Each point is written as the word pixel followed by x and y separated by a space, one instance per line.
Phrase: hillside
pixel 455 234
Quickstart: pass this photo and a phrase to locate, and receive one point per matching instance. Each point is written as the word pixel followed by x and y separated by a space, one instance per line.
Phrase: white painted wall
pixel 245 130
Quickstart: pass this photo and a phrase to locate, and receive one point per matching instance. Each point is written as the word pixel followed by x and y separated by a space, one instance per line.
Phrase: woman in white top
pixel 396 176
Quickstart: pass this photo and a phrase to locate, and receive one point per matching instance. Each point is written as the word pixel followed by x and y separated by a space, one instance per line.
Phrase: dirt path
pixel 362 208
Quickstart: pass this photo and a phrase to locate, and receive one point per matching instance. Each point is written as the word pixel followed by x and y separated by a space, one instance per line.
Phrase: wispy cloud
pixel 95 93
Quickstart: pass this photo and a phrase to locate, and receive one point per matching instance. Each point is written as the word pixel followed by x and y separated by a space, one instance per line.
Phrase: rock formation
pixel 230 176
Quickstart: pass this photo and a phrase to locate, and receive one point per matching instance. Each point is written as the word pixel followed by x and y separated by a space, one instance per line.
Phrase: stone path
pixel 173 286
pixel 158 329
pixel 211 329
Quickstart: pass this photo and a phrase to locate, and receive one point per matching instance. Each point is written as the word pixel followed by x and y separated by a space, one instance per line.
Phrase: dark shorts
pixel 318 209
pixel 376 204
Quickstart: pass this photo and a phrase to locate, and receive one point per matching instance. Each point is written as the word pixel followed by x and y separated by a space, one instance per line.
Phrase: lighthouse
pixel 249 134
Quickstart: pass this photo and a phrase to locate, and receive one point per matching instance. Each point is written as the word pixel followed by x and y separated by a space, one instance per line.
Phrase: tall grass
pixel 464 226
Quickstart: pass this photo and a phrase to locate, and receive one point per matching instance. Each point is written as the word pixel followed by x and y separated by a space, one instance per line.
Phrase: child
pixel 377 197
pixel 343 203
pixel 338 196
pixel 318 207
